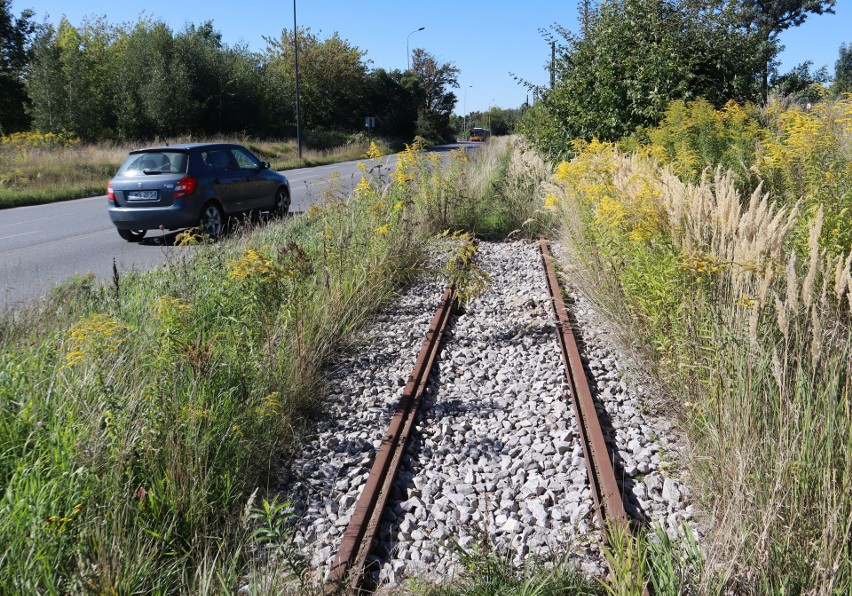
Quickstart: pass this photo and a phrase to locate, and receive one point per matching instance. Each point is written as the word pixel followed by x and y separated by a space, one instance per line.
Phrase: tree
pixel 142 80
pixel 393 98
pixel 801 83
pixel 638 56
pixel 222 85
pixel 16 35
pixel 168 84
pixel 45 96
pixel 502 121
pixel 438 103
pixel 68 79
pixel 843 70
pixel 145 101
pixel 332 75
pixel 766 19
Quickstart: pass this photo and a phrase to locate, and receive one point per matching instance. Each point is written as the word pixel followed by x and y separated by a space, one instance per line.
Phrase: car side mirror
pixel 264 165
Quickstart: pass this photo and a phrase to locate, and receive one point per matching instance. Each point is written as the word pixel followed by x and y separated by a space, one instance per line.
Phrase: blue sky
pixel 486 39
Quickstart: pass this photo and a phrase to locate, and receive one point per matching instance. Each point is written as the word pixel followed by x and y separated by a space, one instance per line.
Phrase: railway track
pixel 438 478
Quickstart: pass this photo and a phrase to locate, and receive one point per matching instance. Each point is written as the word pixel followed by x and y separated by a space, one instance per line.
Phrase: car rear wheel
pixel 132 235
pixel 282 203
pixel 212 220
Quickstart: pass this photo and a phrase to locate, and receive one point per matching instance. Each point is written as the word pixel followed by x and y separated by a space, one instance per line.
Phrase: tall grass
pixel 31 174
pixel 754 339
pixel 493 193
pixel 139 420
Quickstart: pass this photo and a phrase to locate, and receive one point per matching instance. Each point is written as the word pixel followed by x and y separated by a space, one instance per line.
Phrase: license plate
pixel 142 195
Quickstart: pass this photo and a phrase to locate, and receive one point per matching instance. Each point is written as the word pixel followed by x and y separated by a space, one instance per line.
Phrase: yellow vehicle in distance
pixel 478 135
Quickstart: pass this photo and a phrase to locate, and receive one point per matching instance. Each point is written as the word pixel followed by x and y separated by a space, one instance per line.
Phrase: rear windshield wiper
pixel 149 172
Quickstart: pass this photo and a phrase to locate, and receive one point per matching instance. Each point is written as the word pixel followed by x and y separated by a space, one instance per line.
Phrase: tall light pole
pixel 407 53
pixel 296 55
pixel 464 118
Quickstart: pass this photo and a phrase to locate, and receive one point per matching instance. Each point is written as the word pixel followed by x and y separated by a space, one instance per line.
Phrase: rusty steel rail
pixel 607 495
pixel 347 570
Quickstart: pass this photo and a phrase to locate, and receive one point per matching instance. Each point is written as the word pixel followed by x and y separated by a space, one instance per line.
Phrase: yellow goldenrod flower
pixel 189 237
pixel 93 336
pixel 364 188
pixel 253 264
pixel 747 302
pixel 373 152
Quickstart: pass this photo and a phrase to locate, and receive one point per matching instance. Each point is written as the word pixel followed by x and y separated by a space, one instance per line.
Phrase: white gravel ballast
pixel 494 462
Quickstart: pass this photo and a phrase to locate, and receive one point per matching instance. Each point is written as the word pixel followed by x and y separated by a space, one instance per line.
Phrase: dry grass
pixel 492 193
pixel 43 175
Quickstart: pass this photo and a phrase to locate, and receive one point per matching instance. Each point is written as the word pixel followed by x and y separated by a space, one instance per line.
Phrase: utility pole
pixel 464 117
pixel 296 55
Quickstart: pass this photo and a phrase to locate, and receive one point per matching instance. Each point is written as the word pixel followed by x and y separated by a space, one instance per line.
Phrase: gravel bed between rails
pixel 494 462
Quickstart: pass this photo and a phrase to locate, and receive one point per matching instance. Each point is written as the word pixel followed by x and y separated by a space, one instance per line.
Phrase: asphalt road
pixel 46 244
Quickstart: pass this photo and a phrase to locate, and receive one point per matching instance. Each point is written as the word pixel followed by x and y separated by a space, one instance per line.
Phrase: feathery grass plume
pixel 769 278
pixel 849 293
pixel 816 335
pixel 792 302
pixel 782 318
pixel 842 275
pixel 778 370
pixel 813 262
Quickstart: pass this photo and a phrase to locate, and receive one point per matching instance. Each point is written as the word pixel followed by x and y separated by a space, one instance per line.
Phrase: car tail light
pixel 184 187
pixel 110 192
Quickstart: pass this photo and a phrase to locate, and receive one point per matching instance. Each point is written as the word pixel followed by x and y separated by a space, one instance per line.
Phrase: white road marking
pixel 21 234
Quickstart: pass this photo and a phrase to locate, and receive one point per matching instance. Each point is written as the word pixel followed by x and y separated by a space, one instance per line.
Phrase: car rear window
pixel 154 162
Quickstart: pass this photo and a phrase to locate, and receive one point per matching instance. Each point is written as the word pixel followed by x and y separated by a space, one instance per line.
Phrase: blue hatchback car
pixel 193 185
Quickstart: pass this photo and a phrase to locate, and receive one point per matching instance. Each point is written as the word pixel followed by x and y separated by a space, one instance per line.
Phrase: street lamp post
pixel 296 56
pixel 464 117
pixel 407 53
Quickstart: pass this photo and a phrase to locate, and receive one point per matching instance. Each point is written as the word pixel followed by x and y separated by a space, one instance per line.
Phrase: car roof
pixel 183 147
